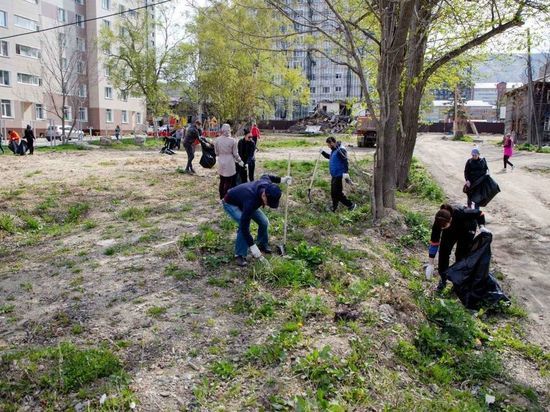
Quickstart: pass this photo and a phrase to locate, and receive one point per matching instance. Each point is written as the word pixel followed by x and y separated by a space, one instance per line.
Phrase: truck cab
pixel 366 131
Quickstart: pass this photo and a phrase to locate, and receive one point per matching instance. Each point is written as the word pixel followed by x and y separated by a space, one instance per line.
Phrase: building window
pixel 68 113
pixel 6 108
pixel 27 51
pixel 337 89
pixel 61 15
pixel 338 75
pixel 79 20
pixel 80 44
pixel 107 71
pixel 39 111
pixel 62 40
pixel 124 96
pixel 124 116
pixel 31 79
pixel 326 89
pixel 106 4
pixel 25 23
pixel 108 92
pixel 82 91
pixel 83 114
pixel 80 68
pixel 138 118
pixel 3 19
pixel 121 8
pixel 109 115
pixel 4 78
pixel 4 48
pixel 106 24
pixel 312 89
pixel 79 1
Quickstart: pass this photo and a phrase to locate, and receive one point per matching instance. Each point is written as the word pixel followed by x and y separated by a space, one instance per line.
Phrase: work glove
pixel 256 252
pixel 321 151
pixel 287 180
pixel 347 178
pixel 483 229
pixel 429 271
pixel 468 183
pixel 241 163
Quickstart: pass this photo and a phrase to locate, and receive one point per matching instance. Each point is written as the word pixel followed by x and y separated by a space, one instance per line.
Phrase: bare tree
pixel 63 61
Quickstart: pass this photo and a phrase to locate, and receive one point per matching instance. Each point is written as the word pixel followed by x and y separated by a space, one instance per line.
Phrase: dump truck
pixel 366 131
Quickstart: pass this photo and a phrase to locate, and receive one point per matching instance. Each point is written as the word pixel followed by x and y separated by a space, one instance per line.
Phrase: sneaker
pixel 241 261
pixel 266 249
pixel 512 169
pixel 441 286
pixel 352 207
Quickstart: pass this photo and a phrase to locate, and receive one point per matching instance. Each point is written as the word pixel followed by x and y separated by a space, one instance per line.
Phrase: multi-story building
pixel 328 81
pixel 30 84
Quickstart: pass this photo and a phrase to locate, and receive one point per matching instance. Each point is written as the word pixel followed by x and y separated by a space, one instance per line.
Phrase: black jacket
pixel 475 169
pixel 193 133
pixel 247 150
pixel 29 135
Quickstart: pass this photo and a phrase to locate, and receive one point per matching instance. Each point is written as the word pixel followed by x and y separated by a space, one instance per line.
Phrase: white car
pixel 55 132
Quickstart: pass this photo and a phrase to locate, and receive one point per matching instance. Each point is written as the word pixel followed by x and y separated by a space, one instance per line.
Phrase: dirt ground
pixel 118 276
pixel 519 216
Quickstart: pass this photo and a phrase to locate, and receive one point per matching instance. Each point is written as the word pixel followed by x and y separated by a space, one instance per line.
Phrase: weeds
pixel 7 223
pixel 421 183
pixel 178 273
pixel 305 307
pixel 275 350
pixel 287 273
pixel 156 311
pixel 224 369
pixel 419 229
pixel 133 214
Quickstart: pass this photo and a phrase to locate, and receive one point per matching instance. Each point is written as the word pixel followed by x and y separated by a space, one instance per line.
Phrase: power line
pixel 86 20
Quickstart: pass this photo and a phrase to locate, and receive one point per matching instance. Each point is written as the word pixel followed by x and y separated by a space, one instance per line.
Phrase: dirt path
pixel 519 216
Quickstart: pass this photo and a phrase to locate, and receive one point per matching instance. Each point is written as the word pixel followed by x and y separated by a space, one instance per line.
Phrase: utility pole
pixel 455 121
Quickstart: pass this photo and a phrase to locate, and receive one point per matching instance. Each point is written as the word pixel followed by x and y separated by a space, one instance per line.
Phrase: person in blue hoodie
pixel 338 166
pixel 243 203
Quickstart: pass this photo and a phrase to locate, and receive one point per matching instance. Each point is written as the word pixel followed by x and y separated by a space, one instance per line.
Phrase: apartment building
pixel 328 81
pixel 32 64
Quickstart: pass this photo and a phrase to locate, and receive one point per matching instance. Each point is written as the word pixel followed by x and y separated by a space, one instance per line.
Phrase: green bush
pixel 286 272
pixel 421 183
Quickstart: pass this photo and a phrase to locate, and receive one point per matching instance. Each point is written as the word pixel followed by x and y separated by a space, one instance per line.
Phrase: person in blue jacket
pixel 242 203
pixel 338 166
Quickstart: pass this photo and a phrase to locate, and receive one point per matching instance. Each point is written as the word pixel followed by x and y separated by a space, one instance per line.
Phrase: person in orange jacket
pixel 15 140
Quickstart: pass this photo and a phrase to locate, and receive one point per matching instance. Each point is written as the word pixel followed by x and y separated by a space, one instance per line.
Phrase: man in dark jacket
pixel 29 137
pixel 476 168
pixel 338 166
pixel 242 203
pixel 193 133
pixel 247 153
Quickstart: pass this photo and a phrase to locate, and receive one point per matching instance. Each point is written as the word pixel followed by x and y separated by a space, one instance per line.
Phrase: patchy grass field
pixel 118 292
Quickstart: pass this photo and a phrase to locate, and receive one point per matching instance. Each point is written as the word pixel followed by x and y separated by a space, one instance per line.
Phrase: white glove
pixel 346 177
pixel 255 251
pixel 241 163
pixel 321 150
pixel 468 183
pixel 483 229
pixel 429 271
pixel 287 180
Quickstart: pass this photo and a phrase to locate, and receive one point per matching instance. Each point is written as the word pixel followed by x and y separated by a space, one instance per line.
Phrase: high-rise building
pixel 61 71
pixel 328 82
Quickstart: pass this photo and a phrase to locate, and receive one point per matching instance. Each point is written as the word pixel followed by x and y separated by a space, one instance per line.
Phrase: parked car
pixel 56 132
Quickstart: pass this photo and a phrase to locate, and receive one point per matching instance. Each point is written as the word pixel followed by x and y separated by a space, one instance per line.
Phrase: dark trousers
pixel 190 150
pixel 243 174
pixel 463 243
pixel 226 183
pixel 337 193
pixel 506 161
pixel 30 146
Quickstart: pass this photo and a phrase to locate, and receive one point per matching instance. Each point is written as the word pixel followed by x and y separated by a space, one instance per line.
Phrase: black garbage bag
pixel 483 190
pixel 473 284
pixel 208 158
pixel 21 148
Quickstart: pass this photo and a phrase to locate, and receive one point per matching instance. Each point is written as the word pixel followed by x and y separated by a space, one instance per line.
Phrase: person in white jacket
pixel 226 150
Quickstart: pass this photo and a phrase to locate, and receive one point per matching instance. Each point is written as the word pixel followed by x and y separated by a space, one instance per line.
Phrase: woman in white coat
pixel 226 151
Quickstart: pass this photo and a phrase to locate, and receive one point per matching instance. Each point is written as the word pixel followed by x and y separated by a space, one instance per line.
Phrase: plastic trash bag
pixel 473 284
pixel 208 158
pixel 484 191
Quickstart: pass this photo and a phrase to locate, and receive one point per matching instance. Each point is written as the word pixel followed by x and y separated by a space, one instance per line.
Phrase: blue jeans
pixel 241 247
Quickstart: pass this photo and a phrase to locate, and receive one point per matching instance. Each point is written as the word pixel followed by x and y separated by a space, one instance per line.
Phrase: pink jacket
pixel 508 146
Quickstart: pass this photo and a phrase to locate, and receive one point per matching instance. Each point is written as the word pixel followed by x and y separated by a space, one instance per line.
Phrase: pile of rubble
pixel 329 123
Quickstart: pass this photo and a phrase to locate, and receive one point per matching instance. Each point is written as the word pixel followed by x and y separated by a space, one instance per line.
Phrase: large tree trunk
pixel 395 18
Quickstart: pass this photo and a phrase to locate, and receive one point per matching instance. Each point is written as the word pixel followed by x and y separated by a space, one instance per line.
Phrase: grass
pixel 53 372
pixel 422 185
pixel 178 273
pixel 290 143
pixel 532 148
pixel 7 223
pixel 156 311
